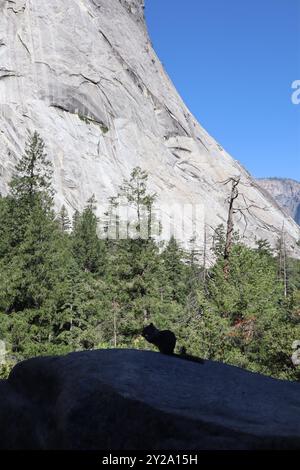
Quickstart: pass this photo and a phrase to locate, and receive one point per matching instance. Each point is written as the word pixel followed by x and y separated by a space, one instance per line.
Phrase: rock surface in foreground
pixel 127 399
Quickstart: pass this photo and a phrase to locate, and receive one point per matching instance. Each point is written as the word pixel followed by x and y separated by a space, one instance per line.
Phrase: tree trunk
pixel 204 257
pixel 115 308
pixel 230 225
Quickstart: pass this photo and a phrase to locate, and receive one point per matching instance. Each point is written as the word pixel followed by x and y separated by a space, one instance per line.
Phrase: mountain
pixel 83 73
pixel 286 192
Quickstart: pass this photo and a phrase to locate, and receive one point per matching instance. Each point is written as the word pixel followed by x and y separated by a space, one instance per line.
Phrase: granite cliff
pixel 286 192
pixel 83 74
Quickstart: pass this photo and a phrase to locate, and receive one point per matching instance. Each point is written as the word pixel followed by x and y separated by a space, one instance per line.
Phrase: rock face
pixel 84 74
pixel 286 192
pixel 127 399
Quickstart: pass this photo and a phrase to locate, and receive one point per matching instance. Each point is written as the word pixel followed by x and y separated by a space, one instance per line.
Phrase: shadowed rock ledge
pixel 127 399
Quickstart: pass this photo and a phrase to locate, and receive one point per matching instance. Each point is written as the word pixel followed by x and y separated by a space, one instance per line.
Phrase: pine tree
pixel 135 192
pixel 33 175
pixel 248 308
pixel 64 220
pixel 40 282
pixel 177 273
pixel 112 220
pixel 218 246
pixel 88 249
pixel 30 187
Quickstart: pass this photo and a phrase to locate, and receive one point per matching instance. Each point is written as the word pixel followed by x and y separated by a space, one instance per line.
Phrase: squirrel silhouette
pixel 165 341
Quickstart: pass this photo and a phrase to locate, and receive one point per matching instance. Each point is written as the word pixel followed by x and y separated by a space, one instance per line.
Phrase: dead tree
pixel 243 211
pixel 283 261
pixel 230 223
pixel 204 257
pixel 285 276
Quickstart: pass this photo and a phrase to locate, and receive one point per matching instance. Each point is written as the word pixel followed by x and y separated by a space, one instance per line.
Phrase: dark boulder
pixel 127 399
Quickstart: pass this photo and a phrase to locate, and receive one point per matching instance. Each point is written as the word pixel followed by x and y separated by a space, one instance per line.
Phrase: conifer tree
pixel 33 175
pixel 30 187
pixel 36 266
pixel 112 219
pixel 88 249
pixel 64 220
pixel 176 271
pixel 135 192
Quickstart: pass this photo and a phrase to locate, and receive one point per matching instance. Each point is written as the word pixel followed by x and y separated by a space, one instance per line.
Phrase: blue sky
pixel 233 62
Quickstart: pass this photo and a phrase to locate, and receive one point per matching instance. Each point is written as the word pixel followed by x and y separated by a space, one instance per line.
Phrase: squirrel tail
pixel 183 355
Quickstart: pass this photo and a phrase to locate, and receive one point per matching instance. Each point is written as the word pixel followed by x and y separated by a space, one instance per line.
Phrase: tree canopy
pixel 65 288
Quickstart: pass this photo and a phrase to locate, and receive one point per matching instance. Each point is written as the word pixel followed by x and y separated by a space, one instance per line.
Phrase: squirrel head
pixel 148 331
